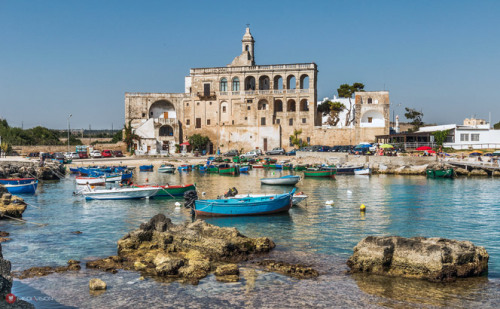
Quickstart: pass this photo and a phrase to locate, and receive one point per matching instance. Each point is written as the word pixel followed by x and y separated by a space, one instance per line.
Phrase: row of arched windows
pixel 264 83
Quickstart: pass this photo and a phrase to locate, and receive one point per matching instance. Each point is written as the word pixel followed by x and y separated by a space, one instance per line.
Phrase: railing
pixel 204 96
pixel 472 146
pixel 169 121
pixel 263 92
pixel 218 70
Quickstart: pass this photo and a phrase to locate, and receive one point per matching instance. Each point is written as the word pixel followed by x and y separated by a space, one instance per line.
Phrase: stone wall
pixel 25 150
pixel 343 158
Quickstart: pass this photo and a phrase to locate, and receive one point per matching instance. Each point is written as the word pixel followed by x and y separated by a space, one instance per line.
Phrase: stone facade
pixel 242 106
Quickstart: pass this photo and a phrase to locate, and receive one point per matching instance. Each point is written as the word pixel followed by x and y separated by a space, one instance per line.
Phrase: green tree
pixel 496 126
pixel 333 110
pixel 440 136
pixel 347 91
pixel 296 140
pixel 198 141
pixel 130 136
pixel 117 137
pixel 415 117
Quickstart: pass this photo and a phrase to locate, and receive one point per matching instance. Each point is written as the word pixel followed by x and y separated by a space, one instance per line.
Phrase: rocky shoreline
pixel 11 206
pixel 31 169
pixel 6 287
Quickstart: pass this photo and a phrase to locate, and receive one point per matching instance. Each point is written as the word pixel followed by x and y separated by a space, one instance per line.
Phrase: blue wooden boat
pixel 184 168
pixel 73 170
pixel 146 168
pixel 126 176
pixel 29 187
pixel 244 169
pixel 246 206
pixel 16 181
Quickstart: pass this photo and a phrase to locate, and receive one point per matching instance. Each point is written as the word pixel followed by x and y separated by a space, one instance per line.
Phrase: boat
pixel 169 191
pixel 74 170
pixel 246 206
pixel 348 170
pixel 29 187
pixel 126 176
pixel 300 168
pixel 213 169
pixel 184 167
pixel 363 171
pixel 229 169
pixel 287 167
pixel 289 180
pixel 244 169
pixel 94 181
pixel 166 168
pixel 146 168
pixel 320 173
pixel 16 181
pixel 438 173
pixel 112 177
pixel 119 193
pixel 257 166
pixel 296 199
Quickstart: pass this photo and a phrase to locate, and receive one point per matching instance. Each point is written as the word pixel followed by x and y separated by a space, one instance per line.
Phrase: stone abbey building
pixel 247 106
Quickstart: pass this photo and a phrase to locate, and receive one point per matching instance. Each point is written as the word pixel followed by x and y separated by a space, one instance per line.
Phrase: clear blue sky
pixel 80 57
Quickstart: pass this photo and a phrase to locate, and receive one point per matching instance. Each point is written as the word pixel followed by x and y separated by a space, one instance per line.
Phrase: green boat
pixel 236 159
pixel 219 159
pixel 447 173
pixel 170 191
pixel 300 168
pixel 228 169
pixel 269 166
pixel 320 173
pixel 213 169
pixel 287 167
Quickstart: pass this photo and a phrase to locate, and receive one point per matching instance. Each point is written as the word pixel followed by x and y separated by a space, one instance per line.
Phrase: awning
pixel 185 144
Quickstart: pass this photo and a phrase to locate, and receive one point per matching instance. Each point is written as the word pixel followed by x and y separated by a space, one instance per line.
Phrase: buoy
pixel 203 193
pixel 362 208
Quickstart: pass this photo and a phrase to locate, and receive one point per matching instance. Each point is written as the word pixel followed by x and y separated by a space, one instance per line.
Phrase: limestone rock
pixel 97 284
pixel 496 173
pixel 293 270
pixel 73 265
pixel 6 286
pixel 478 172
pixel 227 273
pixel 10 205
pixel 433 259
pixel 461 171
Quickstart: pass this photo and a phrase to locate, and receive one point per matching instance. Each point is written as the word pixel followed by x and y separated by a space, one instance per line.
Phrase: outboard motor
pixel 189 198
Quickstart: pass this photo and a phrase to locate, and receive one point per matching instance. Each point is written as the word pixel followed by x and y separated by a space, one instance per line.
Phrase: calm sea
pixel 315 233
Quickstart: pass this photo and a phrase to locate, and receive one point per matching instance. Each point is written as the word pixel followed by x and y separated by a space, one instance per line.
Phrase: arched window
pixel 264 83
pixel 278 82
pixel 247 48
pixel 236 84
pixel 166 131
pixel 304 107
pixel 290 82
pixel 304 82
pixel 370 101
pixel 223 84
pixel 250 83
pixel 262 105
pixel 278 106
pixel 290 106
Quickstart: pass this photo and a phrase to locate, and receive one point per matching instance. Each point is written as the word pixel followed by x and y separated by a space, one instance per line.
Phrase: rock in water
pixel 6 286
pixel 10 205
pixel 433 259
pixel 97 284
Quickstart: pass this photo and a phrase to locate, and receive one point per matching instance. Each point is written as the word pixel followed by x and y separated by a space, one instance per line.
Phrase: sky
pixel 63 57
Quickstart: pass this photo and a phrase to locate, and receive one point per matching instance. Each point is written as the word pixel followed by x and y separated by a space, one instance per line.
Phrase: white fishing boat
pixel 362 171
pixel 118 193
pixel 288 180
pixel 94 181
pixel 113 178
pixel 166 168
pixel 296 198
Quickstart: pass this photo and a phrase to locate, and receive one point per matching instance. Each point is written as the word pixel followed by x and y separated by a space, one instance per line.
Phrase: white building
pixel 342 114
pixel 468 137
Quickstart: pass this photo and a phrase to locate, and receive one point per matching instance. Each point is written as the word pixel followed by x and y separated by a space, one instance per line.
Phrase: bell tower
pixel 247 44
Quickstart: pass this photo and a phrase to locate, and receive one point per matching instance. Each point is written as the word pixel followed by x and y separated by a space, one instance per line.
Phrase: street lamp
pixel 68 129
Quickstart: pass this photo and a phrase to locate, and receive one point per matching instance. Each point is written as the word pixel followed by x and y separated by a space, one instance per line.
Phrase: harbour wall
pixel 343 158
pixel 25 150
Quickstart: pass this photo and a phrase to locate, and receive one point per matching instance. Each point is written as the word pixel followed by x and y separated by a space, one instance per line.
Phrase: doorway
pixel 265 144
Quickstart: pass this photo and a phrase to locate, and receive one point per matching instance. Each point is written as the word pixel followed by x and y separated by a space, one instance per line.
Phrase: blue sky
pixel 80 57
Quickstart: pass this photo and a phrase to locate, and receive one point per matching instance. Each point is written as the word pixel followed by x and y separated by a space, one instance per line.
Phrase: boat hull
pixel 16 181
pixel 296 198
pixel 447 173
pixel 170 191
pixel 95 181
pixel 322 174
pixel 363 171
pixel 286 181
pixel 27 188
pixel 166 169
pixel 120 194
pixel 248 206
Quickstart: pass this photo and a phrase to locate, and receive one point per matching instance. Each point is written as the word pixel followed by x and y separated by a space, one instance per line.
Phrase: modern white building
pixel 468 137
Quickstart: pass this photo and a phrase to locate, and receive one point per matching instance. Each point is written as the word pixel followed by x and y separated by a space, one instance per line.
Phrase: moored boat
pixel 440 173
pixel 289 180
pixel 94 181
pixel 119 193
pixel 112 177
pixel 320 173
pixel 169 191
pixel 347 170
pixel 244 169
pixel 29 187
pixel 166 168
pixel 229 169
pixel 246 206
pixel 16 181
pixel 296 198
pixel 362 171
pixel 146 168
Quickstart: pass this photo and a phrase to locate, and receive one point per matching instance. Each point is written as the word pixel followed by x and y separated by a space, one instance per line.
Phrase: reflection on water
pixel 324 235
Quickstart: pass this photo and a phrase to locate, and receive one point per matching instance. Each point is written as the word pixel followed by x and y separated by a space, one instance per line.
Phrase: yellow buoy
pixel 362 208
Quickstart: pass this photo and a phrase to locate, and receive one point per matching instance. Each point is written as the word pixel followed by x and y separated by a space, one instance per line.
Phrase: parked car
pixel 72 155
pixel 82 155
pixel 292 152
pixel 335 148
pixel 95 154
pixel 231 153
pixel 118 153
pixel 259 152
pixel 34 154
pixel 250 154
pixel 276 151
pixel 306 148
pixel 107 153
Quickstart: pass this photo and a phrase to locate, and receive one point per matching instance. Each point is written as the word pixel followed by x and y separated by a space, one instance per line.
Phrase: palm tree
pixel 130 137
pixel 294 138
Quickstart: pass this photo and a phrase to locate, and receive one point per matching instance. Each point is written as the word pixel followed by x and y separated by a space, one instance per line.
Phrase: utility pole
pixel 68 129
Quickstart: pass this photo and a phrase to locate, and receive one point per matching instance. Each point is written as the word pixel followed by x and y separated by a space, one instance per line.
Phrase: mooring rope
pixel 39 224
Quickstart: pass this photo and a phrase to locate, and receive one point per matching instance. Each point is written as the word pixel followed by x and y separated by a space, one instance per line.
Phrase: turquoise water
pixel 464 209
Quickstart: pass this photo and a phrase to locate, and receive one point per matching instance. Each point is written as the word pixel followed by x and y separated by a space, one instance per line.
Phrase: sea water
pixel 313 233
